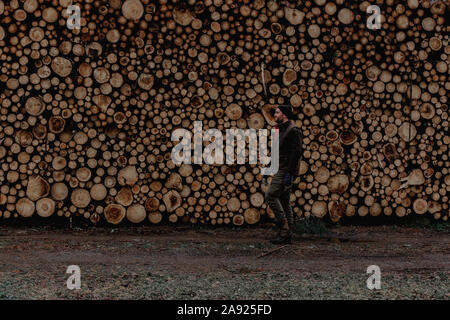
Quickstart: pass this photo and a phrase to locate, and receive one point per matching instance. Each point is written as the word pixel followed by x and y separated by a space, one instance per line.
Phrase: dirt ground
pixel 224 263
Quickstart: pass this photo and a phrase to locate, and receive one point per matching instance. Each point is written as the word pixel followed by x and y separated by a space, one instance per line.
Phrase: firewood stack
pixel 87 114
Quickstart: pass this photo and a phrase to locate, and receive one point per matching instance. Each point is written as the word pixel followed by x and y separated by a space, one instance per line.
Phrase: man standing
pixel 279 191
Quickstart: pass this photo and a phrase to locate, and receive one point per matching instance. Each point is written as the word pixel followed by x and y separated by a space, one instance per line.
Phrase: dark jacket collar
pixel 283 125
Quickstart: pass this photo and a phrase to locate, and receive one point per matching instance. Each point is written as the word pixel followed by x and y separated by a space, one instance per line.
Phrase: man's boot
pixel 285 235
pixel 278 237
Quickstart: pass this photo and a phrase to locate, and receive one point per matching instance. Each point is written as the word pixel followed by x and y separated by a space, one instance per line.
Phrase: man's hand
pixel 264 179
pixel 287 179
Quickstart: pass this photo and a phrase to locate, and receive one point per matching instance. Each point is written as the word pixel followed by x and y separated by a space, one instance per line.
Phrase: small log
pixel 420 206
pixel 155 217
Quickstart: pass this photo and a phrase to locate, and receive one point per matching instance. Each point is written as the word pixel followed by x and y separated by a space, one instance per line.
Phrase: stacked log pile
pixel 86 115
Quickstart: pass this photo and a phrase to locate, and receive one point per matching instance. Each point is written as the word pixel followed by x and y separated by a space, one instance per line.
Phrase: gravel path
pixel 183 263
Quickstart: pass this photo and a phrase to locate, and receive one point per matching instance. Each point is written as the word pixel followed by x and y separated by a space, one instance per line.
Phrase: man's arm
pixel 296 151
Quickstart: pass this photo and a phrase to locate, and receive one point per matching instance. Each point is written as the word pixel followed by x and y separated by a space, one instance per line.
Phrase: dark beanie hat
pixel 287 111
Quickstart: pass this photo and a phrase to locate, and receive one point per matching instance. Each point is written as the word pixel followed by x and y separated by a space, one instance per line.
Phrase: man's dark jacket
pixel 290 148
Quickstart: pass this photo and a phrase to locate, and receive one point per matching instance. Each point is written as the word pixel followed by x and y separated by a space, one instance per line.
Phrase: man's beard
pixel 278 120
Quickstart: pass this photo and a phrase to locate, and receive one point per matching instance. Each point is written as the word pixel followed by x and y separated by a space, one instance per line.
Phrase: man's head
pixel 279 116
pixel 283 113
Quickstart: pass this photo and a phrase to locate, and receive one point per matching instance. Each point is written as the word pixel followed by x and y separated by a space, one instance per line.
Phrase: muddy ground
pixel 224 263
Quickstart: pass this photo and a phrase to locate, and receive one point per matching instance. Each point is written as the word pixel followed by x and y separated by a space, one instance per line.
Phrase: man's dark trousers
pixel 277 197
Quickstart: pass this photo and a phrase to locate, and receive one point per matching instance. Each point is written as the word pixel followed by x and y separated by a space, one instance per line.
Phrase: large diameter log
pixel 37 187
pixel 319 209
pixel 256 121
pixel 182 17
pixel 132 9
pixel 50 14
pixel 407 131
pixel 34 106
pixel 102 102
pixel 434 207
pixel 80 198
pixel 101 75
pixel 172 200
pixel 146 81
pixel 233 111
pixel 294 16
pixel 251 216
pixel 322 175
pixel 303 168
pixel 338 183
pixel 233 204
pixel 345 16
pixel 59 191
pixel 98 192
pixel 114 213
pixel 59 163
pixel 267 113
pixel 45 207
pixel 152 204
pixel 415 178
pixel 347 137
pixel 24 138
pixel 366 183
pixel 25 207
pixel 136 213
pixel 375 209
pixel 257 199
pixel 56 124
pixel 124 196
pixel 127 176
pixel 174 181
pixel 289 76
pixel 420 206
pixel 61 66
pixel 336 210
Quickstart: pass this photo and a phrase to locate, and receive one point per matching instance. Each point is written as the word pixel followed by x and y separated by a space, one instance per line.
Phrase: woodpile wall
pixel 86 115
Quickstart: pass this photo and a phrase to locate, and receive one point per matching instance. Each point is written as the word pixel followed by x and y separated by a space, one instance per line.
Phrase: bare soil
pixel 224 263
